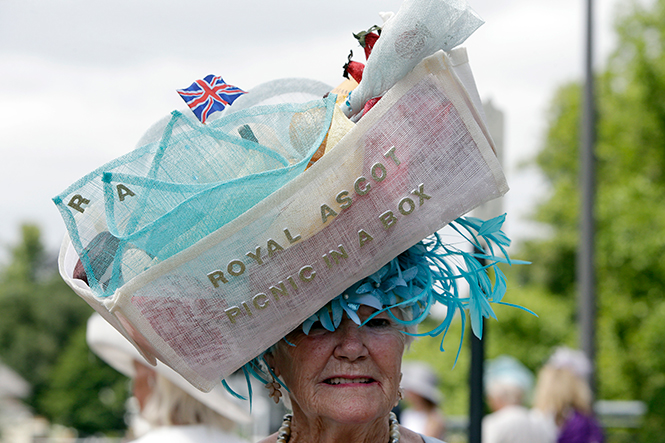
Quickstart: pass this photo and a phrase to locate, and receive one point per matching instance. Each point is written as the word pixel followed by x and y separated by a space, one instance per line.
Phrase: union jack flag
pixel 209 95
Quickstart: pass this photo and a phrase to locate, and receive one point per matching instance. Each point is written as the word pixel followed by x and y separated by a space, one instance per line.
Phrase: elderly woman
pixel 343 379
pixel 284 239
pixel 343 384
pixel 340 370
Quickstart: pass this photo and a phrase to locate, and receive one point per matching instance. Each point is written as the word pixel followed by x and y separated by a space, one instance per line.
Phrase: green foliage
pixel 454 379
pixel 84 392
pixel 630 237
pixel 517 333
pixel 27 257
pixel 553 325
pixel 39 314
pixel 554 258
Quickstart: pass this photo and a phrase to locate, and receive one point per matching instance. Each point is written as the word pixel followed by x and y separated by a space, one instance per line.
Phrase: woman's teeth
pixel 340 380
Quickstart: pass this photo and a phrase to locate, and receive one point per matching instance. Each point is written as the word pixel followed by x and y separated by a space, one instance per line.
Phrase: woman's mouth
pixel 342 380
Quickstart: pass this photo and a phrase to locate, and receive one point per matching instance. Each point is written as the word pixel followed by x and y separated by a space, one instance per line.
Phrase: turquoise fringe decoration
pixel 424 275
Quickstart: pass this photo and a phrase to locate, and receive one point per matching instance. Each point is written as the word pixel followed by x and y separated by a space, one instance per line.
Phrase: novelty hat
pixel 210 242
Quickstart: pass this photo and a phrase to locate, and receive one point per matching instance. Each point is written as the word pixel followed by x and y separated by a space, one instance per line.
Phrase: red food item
pixel 354 69
pixel 370 40
pixel 370 104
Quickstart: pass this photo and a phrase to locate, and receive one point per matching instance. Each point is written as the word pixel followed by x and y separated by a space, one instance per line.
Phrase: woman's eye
pixel 378 323
pixel 317 327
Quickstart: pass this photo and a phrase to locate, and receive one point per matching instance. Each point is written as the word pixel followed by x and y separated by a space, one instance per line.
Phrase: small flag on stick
pixel 204 97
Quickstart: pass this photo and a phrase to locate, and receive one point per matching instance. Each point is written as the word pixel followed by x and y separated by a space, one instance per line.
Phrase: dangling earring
pixel 400 396
pixel 400 391
pixel 274 389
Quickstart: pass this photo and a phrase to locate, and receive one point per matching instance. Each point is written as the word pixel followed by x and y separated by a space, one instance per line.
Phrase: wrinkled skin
pixel 342 384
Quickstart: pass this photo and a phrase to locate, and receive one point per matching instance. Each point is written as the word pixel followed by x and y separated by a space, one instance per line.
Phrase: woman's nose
pixel 350 343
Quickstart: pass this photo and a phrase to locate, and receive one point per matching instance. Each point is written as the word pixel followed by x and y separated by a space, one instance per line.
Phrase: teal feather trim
pixel 424 275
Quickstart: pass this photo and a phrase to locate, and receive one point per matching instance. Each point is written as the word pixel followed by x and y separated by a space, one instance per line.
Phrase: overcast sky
pixel 81 80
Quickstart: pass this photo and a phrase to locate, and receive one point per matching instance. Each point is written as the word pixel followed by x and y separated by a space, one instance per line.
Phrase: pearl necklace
pixel 284 433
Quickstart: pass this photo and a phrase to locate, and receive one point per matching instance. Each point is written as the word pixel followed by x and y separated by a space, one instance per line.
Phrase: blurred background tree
pixel 630 212
pixel 84 392
pixel 42 337
pixel 630 237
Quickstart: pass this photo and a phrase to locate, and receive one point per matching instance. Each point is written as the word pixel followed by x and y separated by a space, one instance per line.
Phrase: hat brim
pixel 110 345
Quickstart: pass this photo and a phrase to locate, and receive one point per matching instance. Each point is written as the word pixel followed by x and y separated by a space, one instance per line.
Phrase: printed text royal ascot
pixel 236 267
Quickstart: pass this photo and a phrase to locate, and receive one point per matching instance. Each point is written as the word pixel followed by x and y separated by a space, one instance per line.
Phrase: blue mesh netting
pixel 185 181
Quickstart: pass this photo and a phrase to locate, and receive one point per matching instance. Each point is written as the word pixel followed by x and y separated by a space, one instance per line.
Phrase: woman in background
pixel 422 398
pixel 508 386
pixel 563 393
pixel 169 408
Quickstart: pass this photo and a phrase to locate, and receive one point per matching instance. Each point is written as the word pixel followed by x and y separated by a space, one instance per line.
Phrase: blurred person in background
pixel 169 408
pixel 422 400
pixel 563 394
pixel 508 384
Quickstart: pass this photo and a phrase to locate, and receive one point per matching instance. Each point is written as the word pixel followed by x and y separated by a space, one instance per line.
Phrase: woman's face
pixel 144 381
pixel 351 375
